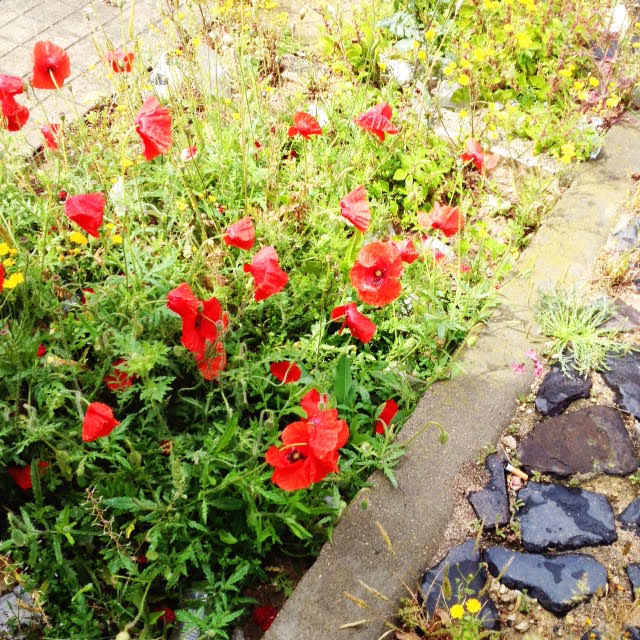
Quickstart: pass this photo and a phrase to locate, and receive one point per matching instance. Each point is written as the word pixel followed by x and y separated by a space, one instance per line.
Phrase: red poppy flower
pixel 62 195
pixel 448 219
pixel 42 350
pixel 305 125
pixel 465 268
pixel 86 211
pixel 14 115
pixel 355 208
pixel 120 61
pixel 286 372
pixel 50 132
pixel 482 161
pixel 268 277
pixel 360 326
pixel 50 66
pixel 264 616
pixel 166 445
pixel 296 466
pixel 22 475
pixel 153 124
pixel 83 297
pixel 376 273
pixel 214 361
pixel 98 422
pixel 168 616
pixel 118 379
pixel 377 121
pixel 240 234
pixel 386 416
pixel 313 403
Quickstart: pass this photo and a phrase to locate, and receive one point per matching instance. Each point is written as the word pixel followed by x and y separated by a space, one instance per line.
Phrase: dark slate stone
pixel 466 576
pixel 623 376
pixel 630 517
pixel 558 582
pixel 562 518
pixel 590 439
pixel 558 390
pixel 631 633
pixel 627 237
pixel 491 504
pixel 625 318
pixel 633 573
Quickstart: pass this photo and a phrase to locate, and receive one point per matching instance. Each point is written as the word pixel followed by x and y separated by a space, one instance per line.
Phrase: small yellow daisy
pixel 473 605
pixel 463 80
pixel 456 611
pixel 116 238
pixel 4 248
pixel 78 238
pixel 13 280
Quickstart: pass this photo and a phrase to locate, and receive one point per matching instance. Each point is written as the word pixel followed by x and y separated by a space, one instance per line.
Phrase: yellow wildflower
pixel 565 73
pixel 109 226
pixel 523 40
pixel 181 205
pixel 568 152
pixel 13 280
pixel 578 85
pixel 75 251
pixel 594 82
pixel 422 55
pixel 465 64
pixel 612 101
pixel 431 34
pixel 78 238
pixel 415 44
pixel 463 114
pixel 236 116
pixel 636 45
pixel 4 248
pixel 116 238
pixel 479 54
pixel 450 68
pixel 125 162
pixel 196 41
pixel 456 611
pixel 582 95
pixel 463 80
pixel 473 605
pixel 383 66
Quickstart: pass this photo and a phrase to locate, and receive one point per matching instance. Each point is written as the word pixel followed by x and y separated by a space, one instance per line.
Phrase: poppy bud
pixel 123 635
pixel 134 458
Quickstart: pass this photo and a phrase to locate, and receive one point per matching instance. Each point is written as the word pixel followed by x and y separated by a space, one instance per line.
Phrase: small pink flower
pixel 518 368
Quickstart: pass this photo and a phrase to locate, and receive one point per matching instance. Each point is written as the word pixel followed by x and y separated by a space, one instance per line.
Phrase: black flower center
pixel 295 455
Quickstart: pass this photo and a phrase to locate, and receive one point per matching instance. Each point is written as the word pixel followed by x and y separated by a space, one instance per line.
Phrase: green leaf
pixel 400 174
pixel 343 381
pixel 226 537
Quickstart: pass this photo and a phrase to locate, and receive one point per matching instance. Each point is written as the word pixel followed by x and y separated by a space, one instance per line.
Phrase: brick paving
pixel 77 26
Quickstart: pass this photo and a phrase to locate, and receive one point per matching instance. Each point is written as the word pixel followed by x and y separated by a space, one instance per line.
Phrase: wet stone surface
pixel 605 446
pixel 557 517
pixel 630 517
pixel 558 390
pixel 558 582
pixel 466 576
pixel 623 376
pixel 633 573
pixel 625 318
pixel 491 504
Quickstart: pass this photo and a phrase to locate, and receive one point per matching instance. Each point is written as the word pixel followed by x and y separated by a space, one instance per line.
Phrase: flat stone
pixel 562 518
pixel 622 374
pixel 627 237
pixel 558 582
pixel 558 390
pixel 630 517
pixel 16 610
pixel 625 318
pixel 633 573
pixel 467 578
pixel 491 504
pixel 593 439
pixel 631 633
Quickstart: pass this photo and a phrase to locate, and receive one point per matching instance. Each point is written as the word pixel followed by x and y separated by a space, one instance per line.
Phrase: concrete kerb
pixel 474 408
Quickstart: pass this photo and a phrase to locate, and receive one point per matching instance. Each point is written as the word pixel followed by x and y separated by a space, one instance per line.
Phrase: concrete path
pixel 75 25
pixel 474 408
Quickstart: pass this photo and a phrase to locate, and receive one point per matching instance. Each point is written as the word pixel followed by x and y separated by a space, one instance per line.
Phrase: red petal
pixel 98 422
pixel 240 234
pixel 286 372
pixel 386 416
pixel 182 301
pixel 306 125
pixel 153 124
pixel 377 120
pixel 50 133
pixel 355 208
pixel 448 219
pixel 268 277
pixel 360 326
pixel 376 273
pixel 86 211
pixel 51 66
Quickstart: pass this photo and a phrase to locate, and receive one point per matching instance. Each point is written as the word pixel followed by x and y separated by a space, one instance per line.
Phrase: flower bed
pixel 216 313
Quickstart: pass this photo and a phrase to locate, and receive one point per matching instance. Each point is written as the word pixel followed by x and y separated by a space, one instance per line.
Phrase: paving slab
pixel 474 408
